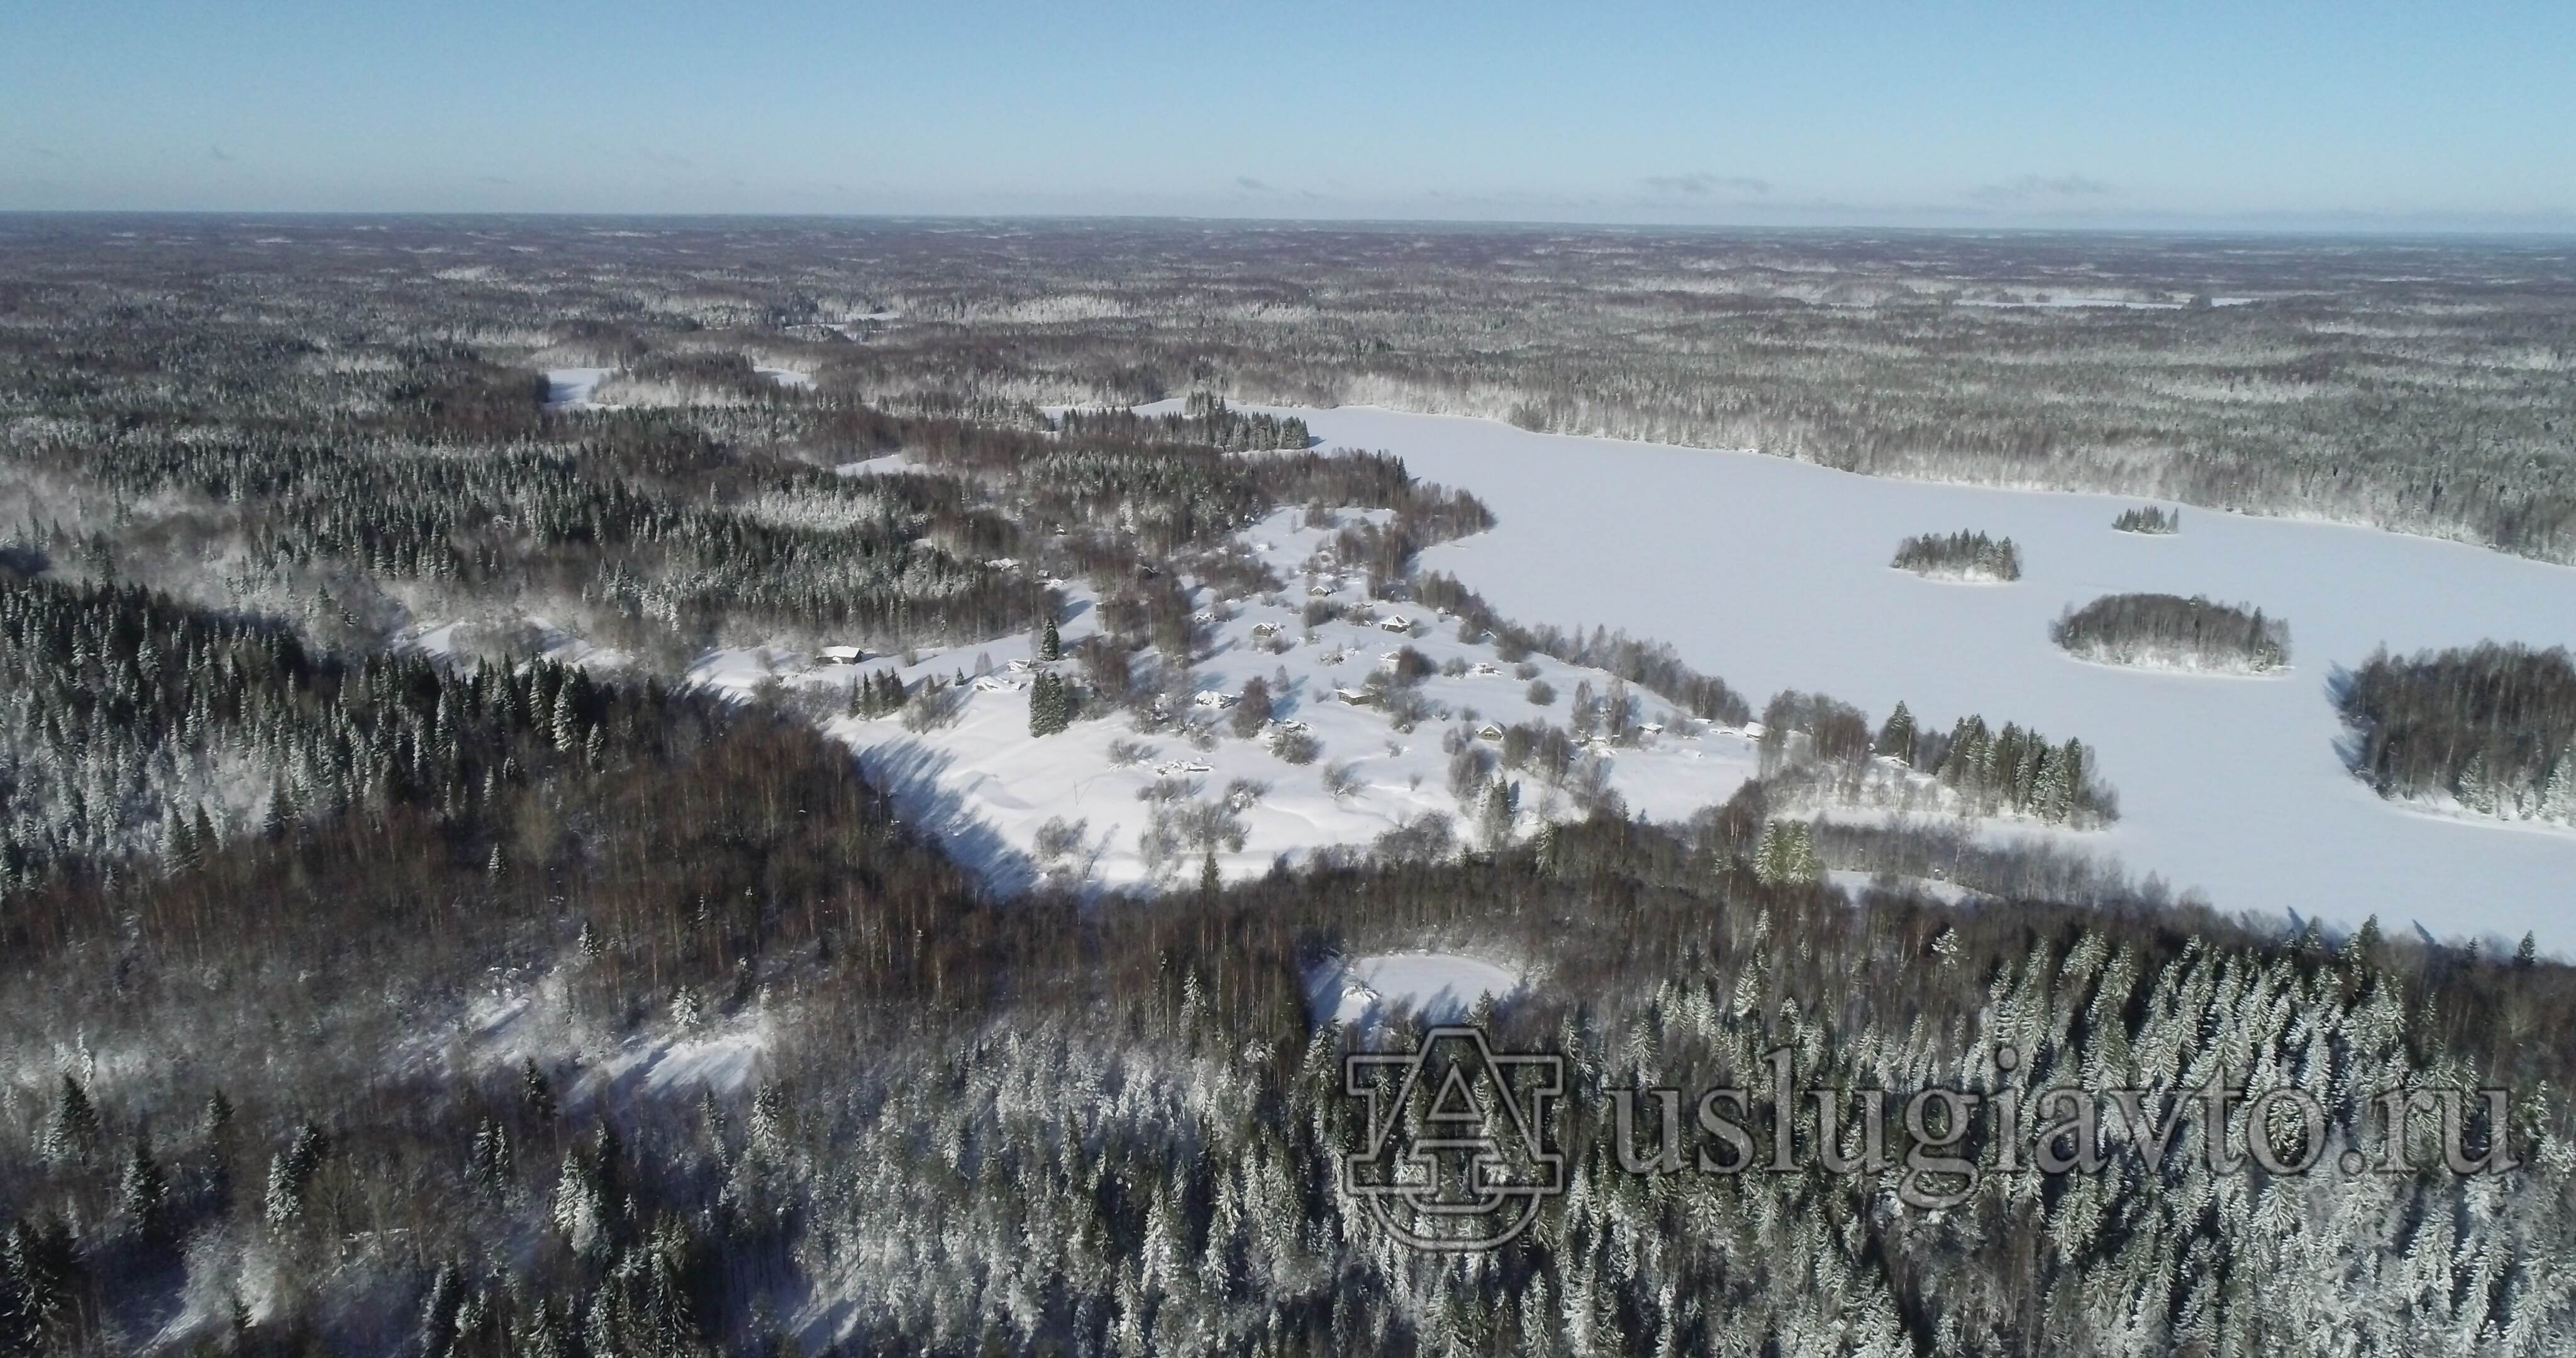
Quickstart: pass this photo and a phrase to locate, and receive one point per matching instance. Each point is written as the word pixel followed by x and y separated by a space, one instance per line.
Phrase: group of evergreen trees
pixel 1786 855
pixel 1204 418
pixel 2149 519
pixel 878 693
pixel 1959 556
pixel 2013 770
pixel 1051 703
pixel 2023 770
pixel 2491 727
pixel 2170 631
pixel 1820 743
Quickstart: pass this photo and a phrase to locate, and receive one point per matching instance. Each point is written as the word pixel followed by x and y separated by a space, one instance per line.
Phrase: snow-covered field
pixel 1773 574
pixel 987 787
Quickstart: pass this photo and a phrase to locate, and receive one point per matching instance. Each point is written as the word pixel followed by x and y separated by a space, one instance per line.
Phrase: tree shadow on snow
pixel 915 776
pixel 2350 746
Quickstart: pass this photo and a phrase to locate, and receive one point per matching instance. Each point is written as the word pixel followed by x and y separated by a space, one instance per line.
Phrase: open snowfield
pixel 986 787
pixel 571 388
pixel 1773 574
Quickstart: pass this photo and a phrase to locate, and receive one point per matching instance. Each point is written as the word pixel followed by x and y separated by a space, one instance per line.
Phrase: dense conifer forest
pixel 511 996
pixel 1036 1126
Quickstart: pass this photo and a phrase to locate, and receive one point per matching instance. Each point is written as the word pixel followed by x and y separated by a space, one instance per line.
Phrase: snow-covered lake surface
pixel 1774 575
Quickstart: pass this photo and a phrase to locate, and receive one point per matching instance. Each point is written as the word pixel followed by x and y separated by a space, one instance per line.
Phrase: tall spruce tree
pixel 1049 711
pixel 2558 795
pixel 1897 736
pixel 72 1133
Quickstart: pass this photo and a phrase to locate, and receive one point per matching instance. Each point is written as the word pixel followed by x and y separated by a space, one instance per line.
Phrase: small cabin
pixel 841 655
pixel 1212 698
pixel 1397 623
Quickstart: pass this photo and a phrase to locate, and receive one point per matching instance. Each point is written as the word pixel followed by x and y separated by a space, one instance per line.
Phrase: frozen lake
pixel 1773 574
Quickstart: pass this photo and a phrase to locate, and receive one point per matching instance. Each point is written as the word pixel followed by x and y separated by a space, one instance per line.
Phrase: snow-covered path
pixel 1774 574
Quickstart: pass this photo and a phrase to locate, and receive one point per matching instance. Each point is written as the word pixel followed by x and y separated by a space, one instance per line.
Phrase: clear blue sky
pixel 2249 114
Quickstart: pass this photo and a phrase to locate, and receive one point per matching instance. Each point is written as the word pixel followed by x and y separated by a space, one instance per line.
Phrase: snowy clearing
pixel 570 388
pixel 987 787
pixel 1436 987
pixel 577 388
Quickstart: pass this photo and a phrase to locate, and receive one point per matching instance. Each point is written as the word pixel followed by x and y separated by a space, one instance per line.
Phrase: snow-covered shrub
pixel 1125 753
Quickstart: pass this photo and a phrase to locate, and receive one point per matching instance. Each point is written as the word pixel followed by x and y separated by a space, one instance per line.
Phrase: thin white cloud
pixel 1702 185
pixel 2038 188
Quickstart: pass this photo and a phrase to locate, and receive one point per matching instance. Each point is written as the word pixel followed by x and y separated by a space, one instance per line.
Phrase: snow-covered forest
pixel 2167 631
pixel 642 788
pixel 1963 555
pixel 2489 729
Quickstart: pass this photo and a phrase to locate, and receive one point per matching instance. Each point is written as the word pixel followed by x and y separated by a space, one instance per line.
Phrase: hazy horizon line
pixel 2330 226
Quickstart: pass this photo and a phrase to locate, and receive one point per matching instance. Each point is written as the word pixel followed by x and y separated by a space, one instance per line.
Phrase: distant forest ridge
pixel 2418 386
